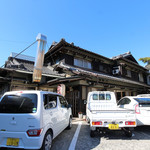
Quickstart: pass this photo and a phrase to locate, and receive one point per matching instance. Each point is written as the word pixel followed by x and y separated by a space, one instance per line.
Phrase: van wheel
pixel 70 123
pixel 47 142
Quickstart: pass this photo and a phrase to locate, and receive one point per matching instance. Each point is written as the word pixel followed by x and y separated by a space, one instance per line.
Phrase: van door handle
pixel 51 113
pixel 13 122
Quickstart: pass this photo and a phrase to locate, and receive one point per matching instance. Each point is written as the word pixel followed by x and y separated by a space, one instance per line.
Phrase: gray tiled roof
pixel 82 72
pixel 28 66
pixel 122 55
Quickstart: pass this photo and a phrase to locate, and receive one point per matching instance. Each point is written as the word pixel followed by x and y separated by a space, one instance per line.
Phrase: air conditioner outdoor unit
pixel 116 70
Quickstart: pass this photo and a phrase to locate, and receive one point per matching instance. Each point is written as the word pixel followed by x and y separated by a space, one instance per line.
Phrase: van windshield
pixel 19 103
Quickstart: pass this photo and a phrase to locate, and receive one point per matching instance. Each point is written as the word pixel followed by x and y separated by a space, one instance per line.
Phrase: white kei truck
pixel 103 114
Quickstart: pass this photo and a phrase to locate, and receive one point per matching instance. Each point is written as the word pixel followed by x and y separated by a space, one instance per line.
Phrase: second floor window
pixel 101 68
pixel 148 79
pixel 82 63
pixel 141 77
pixel 128 73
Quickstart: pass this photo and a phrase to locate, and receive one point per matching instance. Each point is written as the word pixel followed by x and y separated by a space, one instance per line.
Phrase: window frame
pixel 84 63
pixel 48 102
pixel 101 68
pixel 141 78
pixel 129 73
pixel 104 95
pixel 10 98
pixel 61 104
pixel 124 99
pixel 148 79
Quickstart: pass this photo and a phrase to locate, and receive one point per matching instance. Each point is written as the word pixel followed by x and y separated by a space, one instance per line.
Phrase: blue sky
pixel 106 27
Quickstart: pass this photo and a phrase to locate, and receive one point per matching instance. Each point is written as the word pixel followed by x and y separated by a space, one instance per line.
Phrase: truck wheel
pixel 70 123
pixel 92 134
pixel 47 142
pixel 128 133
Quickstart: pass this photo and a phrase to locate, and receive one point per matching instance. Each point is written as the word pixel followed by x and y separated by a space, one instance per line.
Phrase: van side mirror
pixel 85 102
pixel 69 106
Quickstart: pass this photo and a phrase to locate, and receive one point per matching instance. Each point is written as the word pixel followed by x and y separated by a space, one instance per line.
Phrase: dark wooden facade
pixel 121 74
pixel 17 75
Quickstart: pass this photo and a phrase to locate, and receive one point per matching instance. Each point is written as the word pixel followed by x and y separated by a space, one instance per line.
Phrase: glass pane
pixel 95 96
pixel 89 65
pixel 63 102
pixel 101 96
pixel 80 63
pixel 143 100
pixel 85 64
pixel 50 101
pixel 108 97
pixel 21 103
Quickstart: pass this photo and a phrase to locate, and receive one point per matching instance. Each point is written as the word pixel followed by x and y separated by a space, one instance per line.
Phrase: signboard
pixel 61 89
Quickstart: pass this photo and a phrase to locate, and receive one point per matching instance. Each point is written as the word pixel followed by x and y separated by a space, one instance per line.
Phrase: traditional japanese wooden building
pixel 87 71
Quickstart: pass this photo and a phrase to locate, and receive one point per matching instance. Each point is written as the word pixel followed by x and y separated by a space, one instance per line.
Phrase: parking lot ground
pixel 114 140
pixel 63 141
pixel 111 140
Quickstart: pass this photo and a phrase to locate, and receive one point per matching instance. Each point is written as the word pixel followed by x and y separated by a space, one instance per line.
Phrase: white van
pixel 31 119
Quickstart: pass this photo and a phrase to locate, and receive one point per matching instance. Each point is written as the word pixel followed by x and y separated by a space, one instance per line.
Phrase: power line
pixel 23 51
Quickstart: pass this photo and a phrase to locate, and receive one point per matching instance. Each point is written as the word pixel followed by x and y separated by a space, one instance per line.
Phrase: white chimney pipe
pixel 37 72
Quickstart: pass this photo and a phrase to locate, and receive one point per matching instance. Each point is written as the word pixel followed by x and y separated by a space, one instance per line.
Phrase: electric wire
pixel 23 51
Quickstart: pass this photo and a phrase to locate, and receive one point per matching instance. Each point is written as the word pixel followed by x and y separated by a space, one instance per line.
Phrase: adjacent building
pixel 18 71
pixel 148 77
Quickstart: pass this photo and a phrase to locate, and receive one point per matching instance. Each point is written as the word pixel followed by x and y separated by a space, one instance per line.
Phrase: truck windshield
pixel 20 103
pixel 143 102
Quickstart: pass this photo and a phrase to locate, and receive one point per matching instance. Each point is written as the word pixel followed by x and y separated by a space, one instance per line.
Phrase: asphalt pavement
pixel 79 139
pixel 111 140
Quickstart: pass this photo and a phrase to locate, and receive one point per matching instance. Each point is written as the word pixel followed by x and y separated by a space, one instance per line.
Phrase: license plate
pixel 113 126
pixel 12 142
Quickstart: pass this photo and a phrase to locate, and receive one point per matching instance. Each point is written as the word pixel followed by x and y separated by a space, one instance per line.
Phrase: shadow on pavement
pixel 139 133
pixel 63 140
pixel 85 142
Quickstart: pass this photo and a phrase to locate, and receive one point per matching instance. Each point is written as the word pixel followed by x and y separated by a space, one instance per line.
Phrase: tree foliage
pixel 145 60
